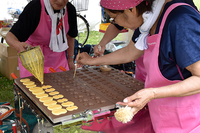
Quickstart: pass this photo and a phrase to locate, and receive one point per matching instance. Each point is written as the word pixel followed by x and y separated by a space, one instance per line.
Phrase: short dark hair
pixel 141 8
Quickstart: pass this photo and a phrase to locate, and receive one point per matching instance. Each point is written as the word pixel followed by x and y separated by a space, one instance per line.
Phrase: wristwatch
pixel 72 57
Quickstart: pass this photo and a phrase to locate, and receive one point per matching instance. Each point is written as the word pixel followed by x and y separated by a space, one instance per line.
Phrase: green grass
pixel 197 3
pixel 71 129
pixel 94 37
pixel 6 90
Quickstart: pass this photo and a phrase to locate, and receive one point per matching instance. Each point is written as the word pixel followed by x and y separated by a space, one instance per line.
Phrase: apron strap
pixel 163 23
pixel 173 6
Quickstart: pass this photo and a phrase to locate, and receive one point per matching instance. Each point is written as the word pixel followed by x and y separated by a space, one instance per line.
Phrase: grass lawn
pixel 6 90
pixel 197 3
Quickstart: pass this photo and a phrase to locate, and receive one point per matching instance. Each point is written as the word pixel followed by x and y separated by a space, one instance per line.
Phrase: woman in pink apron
pixel 170 40
pixel 51 24
pixel 142 119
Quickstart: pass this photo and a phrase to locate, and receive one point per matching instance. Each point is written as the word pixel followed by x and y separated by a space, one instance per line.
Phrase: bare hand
pixel 97 52
pixel 138 100
pixel 84 59
pixel 22 46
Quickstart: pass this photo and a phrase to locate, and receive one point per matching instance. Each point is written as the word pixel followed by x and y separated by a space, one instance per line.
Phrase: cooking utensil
pixel 33 60
pixel 76 63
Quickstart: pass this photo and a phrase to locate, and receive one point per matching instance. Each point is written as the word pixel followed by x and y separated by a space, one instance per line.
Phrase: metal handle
pixel 86 116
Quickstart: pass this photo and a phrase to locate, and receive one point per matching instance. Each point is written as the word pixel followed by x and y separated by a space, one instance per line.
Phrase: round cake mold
pixel 75 93
pixel 88 72
pixel 84 70
pixel 104 91
pixel 55 81
pixel 92 94
pixel 76 96
pixel 92 75
pixel 71 90
pixel 111 85
pixel 91 82
pixel 59 81
pixel 88 104
pixel 97 98
pixel 81 100
pixel 86 79
pixel 85 100
pixel 119 80
pixel 65 87
pixel 123 83
pixel 99 88
pixel 94 85
pixel 80 96
pixel 96 77
pixel 101 80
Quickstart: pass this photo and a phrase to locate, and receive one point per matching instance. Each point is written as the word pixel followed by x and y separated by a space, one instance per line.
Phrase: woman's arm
pixel 187 87
pixel 110 34
pixel 123 55
pixel 70 52
pixel 12 41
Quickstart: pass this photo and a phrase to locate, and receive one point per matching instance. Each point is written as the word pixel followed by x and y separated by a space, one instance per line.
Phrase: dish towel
pixel 149 19
pixel 58 41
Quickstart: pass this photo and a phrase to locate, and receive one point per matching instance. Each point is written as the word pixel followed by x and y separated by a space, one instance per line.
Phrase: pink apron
pixel 41 37
pixel 172 114
pixel 141 123
pixel 140 72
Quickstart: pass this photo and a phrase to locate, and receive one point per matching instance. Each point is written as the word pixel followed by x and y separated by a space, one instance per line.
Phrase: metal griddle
pixel 91 90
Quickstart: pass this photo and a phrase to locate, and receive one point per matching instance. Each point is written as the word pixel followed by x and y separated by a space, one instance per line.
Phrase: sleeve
pixel 119 27
pixel 136 35
pixel 28 21
pixel 185 34
pixel 72 20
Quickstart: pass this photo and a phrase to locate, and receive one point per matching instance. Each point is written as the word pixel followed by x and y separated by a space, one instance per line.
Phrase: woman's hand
pixel 83 59
pixel 97 52
pixel 22 46
pixel 138 100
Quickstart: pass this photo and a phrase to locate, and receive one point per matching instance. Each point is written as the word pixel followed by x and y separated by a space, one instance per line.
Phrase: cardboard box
pixel 7 51
pixel 8 61
pixel 9 65
pixel 4 31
